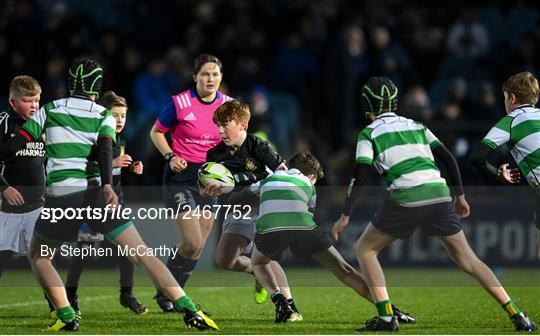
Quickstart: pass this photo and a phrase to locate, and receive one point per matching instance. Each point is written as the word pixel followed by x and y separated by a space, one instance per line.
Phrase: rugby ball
pixel 216 173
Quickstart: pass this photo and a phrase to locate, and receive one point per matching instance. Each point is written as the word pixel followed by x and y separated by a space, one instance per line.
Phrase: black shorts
pixel 400 222
pixel 66 229
pixel 302 243
pixel 181 192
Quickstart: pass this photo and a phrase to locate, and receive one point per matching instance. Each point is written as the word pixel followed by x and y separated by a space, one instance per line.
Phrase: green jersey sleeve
pixel 364 147
pixel 108 125
pixel 433 141
pixel 499 134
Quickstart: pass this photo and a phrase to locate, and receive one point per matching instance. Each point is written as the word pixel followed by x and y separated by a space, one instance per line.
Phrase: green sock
pixel 185 303
pixel 66 314
pixel 511 308
pixel 384 308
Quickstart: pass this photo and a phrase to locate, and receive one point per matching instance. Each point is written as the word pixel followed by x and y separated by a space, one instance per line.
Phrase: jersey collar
pixel 386 115
pixel 193 93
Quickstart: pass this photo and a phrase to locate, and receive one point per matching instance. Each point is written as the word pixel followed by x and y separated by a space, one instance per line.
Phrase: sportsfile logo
pixel 120 212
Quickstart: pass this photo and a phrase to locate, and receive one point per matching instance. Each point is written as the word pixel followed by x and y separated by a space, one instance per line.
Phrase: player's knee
pixel 191 249
pixel 356 246
pixel 362 250
pixel 223 261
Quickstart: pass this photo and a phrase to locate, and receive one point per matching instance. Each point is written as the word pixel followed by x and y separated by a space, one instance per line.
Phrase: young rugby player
pixel 247 157
pixel 287 202
pixel 118 107
pixel 521 129
pixel 22 174
pixel 403 150
pixel 77 129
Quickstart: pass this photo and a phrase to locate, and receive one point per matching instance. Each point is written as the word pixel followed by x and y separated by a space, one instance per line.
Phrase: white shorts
pixel 16 230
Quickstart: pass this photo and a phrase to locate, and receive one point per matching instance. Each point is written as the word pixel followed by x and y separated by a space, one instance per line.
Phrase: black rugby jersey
pixel 248 163
pixel 24 169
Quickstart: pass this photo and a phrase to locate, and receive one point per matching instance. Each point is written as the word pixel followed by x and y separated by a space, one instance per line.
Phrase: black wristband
pixel 168 157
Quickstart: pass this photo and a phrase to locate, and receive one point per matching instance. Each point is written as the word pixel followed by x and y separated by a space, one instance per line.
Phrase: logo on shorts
pixel 250 164
pixel 180 198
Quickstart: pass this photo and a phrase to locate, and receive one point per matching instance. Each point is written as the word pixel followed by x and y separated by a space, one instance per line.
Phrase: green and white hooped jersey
pixel 400 150
pixel 71 126
pixel 286 199
pixel 521 130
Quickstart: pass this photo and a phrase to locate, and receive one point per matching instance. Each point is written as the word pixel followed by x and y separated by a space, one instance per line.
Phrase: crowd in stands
pixel 298 63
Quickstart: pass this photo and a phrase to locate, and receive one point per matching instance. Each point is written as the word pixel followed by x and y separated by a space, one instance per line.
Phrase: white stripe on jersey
pixel 526 146
pixel 279 206
pixel 184 100
pixel 498 136
pixel 187 99
pixel 71 163
pixel 397 154
pixel 526 114
pixel 282 185
pixel 400 125
pixel 179 101
pixel 66 134
pixel 364 148
pixel 62 109
pixel 71 185
pixel 417 178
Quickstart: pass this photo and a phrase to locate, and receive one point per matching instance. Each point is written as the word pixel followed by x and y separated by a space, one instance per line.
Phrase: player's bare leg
pixel 367 249
pixel 264 273
pixel 228 253
pixel 193 232
pixel 459 250
pixel 152 266
pixel 281 279
pixel 164 280
pixel 263 270
pixel 40 257
pixel 334 262
pixel 457 247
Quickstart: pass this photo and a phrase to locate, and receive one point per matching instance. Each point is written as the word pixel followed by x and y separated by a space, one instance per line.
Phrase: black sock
pixel 126 290
pixel 71 291
pixel 126 268
pixel 181 268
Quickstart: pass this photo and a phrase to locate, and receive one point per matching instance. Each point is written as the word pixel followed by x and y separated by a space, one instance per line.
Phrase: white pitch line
pixel 84 299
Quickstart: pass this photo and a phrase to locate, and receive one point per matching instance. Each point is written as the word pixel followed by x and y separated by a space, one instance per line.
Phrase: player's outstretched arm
pixel 479 158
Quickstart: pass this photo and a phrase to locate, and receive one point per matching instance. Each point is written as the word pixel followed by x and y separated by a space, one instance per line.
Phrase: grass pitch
pixel 444 301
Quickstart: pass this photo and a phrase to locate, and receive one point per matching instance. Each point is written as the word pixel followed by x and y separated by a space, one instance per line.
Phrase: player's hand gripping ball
pixel 213 173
